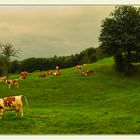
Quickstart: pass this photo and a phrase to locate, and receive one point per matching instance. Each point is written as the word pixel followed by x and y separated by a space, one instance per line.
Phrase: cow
pixel 87 72
pixel 57 68
pixel 2 79
pixel 23 73
pixel 42 74
pixel 21 77
pixel 57 72
pixel 79 68
pixel 49 72
pixel 14 82
pixel 12 103
pixel 84 64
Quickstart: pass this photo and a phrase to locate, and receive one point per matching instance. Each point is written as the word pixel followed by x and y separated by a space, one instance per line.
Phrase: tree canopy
pixel 7 51
pixel 120 36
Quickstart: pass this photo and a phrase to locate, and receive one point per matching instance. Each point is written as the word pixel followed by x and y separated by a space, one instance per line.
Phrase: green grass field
pixel 104 102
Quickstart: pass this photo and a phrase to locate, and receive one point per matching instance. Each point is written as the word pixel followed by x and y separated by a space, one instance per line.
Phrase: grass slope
pixel 101 103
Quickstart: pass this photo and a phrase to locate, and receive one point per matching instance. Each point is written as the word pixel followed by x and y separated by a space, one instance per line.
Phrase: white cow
pixel 79 68
pixel 12 103
pixel 14 82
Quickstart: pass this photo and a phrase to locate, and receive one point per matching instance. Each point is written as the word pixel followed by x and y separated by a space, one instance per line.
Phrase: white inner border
pixel 134 2
pixel 69 137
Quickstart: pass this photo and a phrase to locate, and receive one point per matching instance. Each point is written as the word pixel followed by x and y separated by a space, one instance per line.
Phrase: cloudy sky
pixel 45 31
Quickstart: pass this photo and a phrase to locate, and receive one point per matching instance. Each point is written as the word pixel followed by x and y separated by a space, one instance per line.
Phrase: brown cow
pixel 42 74
pixel 23 73
pixel 21 77
pixel 12 103
pixel 57 72
pixel 14 82
pixel 49 72
pixel 87 72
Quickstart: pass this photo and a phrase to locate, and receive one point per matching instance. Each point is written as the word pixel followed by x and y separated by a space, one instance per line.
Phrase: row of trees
pixel 120 37
pixel 32 64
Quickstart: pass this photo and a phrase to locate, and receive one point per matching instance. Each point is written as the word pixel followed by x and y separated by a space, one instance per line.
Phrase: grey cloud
pixel 52 30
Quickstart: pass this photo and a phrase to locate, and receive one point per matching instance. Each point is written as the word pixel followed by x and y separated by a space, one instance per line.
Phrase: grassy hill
pixel 101 103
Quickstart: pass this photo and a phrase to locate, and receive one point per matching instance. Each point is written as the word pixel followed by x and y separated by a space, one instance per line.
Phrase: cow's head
pixel 83 73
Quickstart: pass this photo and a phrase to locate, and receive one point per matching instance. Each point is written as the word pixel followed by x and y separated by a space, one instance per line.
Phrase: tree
pixel 120 36
pixel 8 51
pixel 88 55
pixel 1 65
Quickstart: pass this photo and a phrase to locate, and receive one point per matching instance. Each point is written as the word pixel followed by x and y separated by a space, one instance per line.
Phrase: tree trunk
pixel 6 68
pixel 127 63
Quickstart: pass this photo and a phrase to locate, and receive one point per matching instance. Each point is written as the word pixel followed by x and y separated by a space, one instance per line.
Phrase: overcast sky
pixel 45 31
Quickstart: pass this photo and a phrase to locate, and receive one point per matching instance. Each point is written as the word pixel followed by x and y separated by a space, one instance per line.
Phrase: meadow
pixel 103 102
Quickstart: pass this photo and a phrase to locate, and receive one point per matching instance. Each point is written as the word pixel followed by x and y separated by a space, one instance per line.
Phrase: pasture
pixel 103 102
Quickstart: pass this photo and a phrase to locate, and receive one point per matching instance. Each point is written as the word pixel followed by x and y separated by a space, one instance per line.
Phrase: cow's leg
pixel 9 86
pixel 17 85
pixel 22 113
pixel 19 111
pixel 1 113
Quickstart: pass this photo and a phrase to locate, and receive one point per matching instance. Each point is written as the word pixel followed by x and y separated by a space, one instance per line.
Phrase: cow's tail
pixel 25 100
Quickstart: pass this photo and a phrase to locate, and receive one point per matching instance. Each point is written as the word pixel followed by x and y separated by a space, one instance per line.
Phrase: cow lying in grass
pixel 42 74
pixel 49 72
pixel 57 72
pixel 23 75
pixel 87 72
pixel 12 103
pixel 11 83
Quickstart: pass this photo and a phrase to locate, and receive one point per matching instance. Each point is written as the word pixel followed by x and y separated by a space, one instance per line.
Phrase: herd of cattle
pixel 57 72
pixel 49 72
pixel 16 102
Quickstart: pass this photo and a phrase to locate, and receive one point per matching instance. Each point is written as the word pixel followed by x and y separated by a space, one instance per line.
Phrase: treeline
pixel 42 64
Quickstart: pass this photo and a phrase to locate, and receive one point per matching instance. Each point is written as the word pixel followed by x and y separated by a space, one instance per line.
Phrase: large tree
pixel 120 36
pixel 7 51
